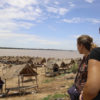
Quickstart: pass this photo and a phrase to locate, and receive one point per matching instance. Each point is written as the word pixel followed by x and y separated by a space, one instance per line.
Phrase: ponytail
pixel 93 45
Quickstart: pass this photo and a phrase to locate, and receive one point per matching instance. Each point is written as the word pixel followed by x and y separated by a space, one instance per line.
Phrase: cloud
pixel 56 2
pixel 15 14
pixel 93 20
pixel 68 44
pixel 14 25
pixel 25 25
pixel 24 38
pixel 89 1
pixel 60 11
pixel 71 4
pixel 12 13
pixel 73 20
pixel 21 3
pixel 82 20
pixel 63 11
pixel 76 36
pixel 46 1
pixel 52 9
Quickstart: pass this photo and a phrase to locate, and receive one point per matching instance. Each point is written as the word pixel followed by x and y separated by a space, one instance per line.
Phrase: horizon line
pixel 35 48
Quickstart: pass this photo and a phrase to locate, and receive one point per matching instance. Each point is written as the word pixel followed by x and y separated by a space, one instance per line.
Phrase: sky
pixel 48 24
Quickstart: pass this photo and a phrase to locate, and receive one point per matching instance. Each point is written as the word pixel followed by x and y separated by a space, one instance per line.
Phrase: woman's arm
pixel 92 86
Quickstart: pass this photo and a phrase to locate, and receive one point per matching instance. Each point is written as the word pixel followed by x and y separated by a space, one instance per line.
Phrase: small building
pixel 52 68
pixel 66 65
pixel 21 73
pixel 39 61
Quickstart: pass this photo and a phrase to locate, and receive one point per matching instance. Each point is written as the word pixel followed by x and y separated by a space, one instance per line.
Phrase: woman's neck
pixel 86 53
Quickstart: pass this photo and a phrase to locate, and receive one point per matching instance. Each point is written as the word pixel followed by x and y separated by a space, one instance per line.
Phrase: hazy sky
pixel 48 24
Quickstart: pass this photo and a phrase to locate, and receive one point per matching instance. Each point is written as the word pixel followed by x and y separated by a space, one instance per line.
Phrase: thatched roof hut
pixel 21 71
pixel 52 68
pixel 18 70
pixel 23 60
pixel 39 60
pixel 50 64
pixel 67 62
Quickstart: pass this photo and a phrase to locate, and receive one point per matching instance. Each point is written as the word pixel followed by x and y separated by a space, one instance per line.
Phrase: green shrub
pixel 47 98
pixel 55 96
pixel 48 80
pixel 74 68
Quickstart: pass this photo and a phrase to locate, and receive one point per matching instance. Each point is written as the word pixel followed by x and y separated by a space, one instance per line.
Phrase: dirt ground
pixel 47 86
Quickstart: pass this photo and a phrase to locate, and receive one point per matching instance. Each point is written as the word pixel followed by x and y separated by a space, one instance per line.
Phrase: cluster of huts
pixel 24 69
pixel 58 66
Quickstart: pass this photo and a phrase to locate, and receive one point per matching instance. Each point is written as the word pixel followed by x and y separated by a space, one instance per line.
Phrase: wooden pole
pixel 22 79
pixel 5 85
pixel 19 83
pixel 36 81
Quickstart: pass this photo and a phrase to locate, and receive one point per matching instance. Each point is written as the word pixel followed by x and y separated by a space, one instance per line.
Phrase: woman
pixel 84 45
pixel 91 89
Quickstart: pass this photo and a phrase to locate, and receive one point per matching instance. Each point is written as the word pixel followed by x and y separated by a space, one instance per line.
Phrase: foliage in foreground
pixel 74 68
pixel 55 96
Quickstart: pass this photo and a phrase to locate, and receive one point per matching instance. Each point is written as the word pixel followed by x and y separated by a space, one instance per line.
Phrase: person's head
pixel 85 44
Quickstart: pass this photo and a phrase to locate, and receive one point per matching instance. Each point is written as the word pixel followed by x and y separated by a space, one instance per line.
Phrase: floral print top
pixel 81 76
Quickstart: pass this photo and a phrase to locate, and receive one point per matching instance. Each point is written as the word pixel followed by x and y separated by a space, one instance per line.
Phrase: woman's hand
pixel 81 96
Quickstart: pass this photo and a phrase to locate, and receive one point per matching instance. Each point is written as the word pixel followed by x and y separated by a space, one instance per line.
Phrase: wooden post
pixel 5 85
pixel 36 81
pixel 19 83
pixel 36 88
pixel 22 78
pixel 45 65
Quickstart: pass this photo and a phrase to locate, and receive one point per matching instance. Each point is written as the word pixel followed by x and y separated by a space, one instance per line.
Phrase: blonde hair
pixel 87 41
pixel 93 45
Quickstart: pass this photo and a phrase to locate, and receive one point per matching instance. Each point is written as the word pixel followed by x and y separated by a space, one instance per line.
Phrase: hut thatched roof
pixel 18 70
pixel 58 62
pixel 38 60
pixel 50 64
